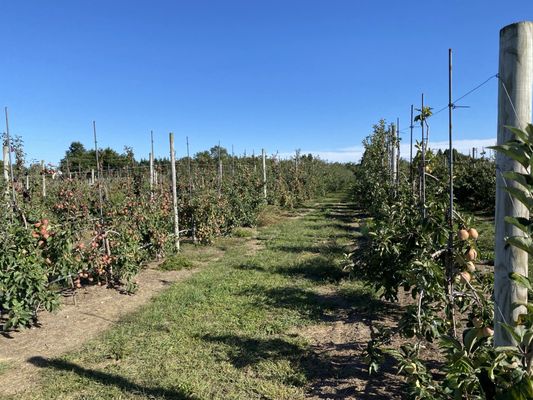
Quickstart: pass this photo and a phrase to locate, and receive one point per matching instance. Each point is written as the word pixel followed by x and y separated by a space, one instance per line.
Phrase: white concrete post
pixel 393 148
pixel 6 163
pixel 264 174
pixel 43 170
pixel 151 174
pixel 516 80
pixel 174 193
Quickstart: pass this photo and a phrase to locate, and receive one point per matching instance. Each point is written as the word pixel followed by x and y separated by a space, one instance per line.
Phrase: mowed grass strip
pixel 226 333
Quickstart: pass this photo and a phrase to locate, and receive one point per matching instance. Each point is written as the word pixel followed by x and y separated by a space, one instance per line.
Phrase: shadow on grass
pixel 110 379
pixel 317 269
pixel 246 352
pixel 326 249
pixel 321 307
pixel 334 367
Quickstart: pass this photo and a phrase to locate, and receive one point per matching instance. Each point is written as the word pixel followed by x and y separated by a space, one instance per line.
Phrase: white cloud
pixel 462 146
pixel 351 154
pixel 354 154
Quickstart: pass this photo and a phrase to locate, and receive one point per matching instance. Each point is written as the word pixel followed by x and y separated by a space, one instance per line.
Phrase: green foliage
pixel 425 113
pixel 78 158
pixel 23 276
pixel 228 332
pixel 176 262
pixel 372 189
pixel 72 237
pixel 452 306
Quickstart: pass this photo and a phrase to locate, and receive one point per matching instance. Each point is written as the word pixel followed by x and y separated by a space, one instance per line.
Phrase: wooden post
pixel 174 193
pixel 151 164
pixel 232 163
pixel 189 171
pixel 92 176
pixel 253 162
pixel 397 151
pixel 393 154
pixel 423 164
pixel 43 170
pixel 151 160
pixel 387 150
pixel 100 196
pixel 264 175
pixel 514 109
pixel 12 176
pixel 411 178
pixel 219 170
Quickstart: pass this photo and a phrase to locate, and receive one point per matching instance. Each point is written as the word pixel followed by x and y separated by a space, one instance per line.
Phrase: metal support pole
pixel 450 259
pixel 423 164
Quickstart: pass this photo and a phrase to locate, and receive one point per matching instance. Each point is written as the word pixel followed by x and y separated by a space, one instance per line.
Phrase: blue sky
pixel 314 75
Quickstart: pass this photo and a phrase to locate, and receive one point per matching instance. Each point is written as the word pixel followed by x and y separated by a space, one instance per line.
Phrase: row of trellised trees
pixel 64 231
pixel 476 318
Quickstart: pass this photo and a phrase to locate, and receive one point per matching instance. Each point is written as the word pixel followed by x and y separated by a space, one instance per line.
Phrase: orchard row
pixel 75 229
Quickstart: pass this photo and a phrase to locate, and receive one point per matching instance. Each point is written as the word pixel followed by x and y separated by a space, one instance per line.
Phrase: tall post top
pixel 516 26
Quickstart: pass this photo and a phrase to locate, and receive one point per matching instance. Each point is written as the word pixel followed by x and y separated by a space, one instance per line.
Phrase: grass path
pixel 273 318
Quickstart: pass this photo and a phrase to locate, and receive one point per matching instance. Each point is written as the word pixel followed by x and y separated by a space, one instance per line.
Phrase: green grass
pixel 176 262
pixel 228 332
pixel 242 232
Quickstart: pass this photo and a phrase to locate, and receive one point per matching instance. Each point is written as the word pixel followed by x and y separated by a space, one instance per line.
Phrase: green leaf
pixel 524 243
pixel 521 195
pixel 450 341
pixel 524 224
pixel 512 331
pixel 521 280
pixel 523 390
pixel 520 134
pixel 470 339
pixel 529 130
pixel 525 180
pixel 506 349
pixel 515 151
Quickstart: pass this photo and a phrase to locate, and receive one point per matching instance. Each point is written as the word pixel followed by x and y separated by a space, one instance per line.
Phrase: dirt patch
pixel 95 310
pixel 339 341
pixel 339 344
pixel 253 246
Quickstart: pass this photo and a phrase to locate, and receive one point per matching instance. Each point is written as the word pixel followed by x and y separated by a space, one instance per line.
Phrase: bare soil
pixel 340 340
pixel 339 343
